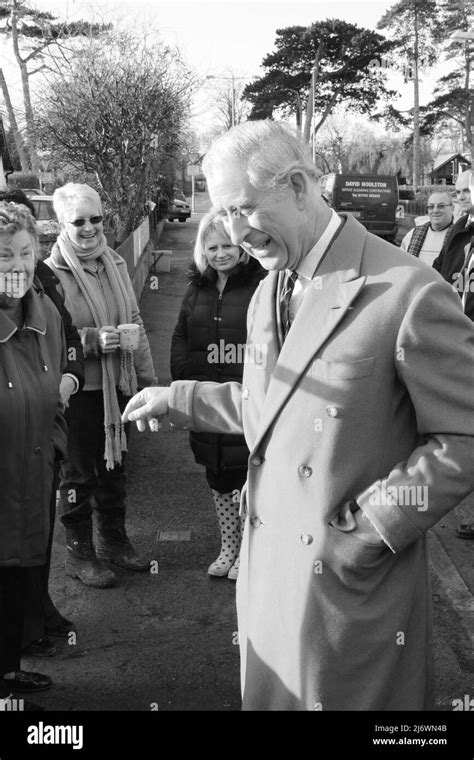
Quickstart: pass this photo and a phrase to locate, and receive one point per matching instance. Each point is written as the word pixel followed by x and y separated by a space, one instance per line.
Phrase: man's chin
pixel 271 263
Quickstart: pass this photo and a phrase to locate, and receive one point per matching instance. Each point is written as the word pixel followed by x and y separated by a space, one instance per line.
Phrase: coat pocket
pixel 334 370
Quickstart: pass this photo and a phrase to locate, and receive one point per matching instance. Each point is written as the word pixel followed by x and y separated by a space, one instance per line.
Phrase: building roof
pixel 444 159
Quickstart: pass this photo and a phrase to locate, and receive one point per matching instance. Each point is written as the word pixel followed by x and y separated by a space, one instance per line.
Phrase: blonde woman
pixel 209 343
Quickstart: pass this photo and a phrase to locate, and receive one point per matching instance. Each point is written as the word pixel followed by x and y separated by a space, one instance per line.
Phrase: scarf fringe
pixel 115 443
pixel 128 376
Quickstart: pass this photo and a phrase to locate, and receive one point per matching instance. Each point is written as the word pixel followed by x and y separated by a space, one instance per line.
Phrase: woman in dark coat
pixel 209 343
pixel 32 434
pixel 42 618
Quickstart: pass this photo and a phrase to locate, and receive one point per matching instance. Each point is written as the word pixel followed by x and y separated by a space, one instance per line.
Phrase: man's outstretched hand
pixel 146 407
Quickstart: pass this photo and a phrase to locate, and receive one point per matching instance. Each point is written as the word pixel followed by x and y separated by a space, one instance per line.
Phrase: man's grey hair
pixel 268 151
pixel 464 177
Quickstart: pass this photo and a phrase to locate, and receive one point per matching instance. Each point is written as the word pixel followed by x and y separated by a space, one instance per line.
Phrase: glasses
pixel 81 222
pixel 440 206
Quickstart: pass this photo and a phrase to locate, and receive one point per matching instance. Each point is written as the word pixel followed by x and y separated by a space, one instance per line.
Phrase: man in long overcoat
pixel 360 425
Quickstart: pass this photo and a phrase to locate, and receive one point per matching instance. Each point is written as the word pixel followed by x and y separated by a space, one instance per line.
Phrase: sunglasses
pixel 81 222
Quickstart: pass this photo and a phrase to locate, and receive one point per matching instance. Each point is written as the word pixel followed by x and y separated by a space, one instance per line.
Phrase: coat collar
pixel 35 318
pixel 336 284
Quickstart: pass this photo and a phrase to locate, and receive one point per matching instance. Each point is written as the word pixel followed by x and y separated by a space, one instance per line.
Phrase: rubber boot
pixel 233 573
pixel 229 522
pixel 113 544
pixel 81 560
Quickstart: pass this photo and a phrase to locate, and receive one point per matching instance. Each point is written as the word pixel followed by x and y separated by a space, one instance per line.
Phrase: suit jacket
pixel 370 397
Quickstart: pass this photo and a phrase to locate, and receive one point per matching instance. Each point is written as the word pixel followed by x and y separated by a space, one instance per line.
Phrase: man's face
pixel 463 192
pixel 440 210
pixel 269 224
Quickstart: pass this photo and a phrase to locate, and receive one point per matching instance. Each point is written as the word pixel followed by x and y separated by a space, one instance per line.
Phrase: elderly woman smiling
pixel 32 433
pixel 98 293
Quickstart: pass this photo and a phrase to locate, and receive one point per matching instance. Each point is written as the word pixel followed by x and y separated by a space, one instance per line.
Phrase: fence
pixel 137 253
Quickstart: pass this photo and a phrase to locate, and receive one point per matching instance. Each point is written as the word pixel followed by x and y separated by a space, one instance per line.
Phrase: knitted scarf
pixel 418 238
pixel 115 439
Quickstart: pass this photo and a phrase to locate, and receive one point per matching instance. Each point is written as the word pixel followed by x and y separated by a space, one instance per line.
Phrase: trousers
pixel 12 606
pixel 85 484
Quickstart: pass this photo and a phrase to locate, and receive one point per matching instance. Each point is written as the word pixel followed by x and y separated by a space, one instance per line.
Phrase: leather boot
pixel 81 561
pixel 113 544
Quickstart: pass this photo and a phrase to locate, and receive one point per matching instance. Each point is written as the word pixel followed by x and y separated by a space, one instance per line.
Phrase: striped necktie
pixel 285 296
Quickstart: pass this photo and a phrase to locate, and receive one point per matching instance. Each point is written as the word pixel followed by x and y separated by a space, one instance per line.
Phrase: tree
pixel 33 33
pixel 356 148
pixel 118 110
pixel 230 101
pixel 453 101
pixel 414 26
pixel 342 55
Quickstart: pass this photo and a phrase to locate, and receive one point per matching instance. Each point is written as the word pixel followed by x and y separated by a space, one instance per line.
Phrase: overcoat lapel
pixel 325 304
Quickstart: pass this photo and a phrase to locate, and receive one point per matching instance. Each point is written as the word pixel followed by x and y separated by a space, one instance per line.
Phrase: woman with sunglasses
pixel 99 296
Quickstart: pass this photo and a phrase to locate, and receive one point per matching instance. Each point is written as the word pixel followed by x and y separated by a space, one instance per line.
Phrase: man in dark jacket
pixel 41 616
pixel 456 264
pixel 454 258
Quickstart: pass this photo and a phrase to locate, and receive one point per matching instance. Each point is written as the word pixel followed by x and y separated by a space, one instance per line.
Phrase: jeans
pixel 85 483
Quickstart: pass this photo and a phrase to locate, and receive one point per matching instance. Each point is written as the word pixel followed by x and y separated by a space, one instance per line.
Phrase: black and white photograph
pixel 237 370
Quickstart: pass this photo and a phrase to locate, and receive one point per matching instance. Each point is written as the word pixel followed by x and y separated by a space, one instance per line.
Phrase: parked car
pixel 31 192
pixel 179 210
pixel 46 220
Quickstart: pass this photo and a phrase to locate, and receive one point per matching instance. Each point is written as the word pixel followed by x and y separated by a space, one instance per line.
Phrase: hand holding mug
pixel 109 339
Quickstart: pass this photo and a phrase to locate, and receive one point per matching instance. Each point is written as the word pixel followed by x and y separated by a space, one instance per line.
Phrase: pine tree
pixel 414 28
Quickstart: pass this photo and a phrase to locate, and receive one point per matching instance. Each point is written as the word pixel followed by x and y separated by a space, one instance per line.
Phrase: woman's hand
pixel 66 387
pixel 109 339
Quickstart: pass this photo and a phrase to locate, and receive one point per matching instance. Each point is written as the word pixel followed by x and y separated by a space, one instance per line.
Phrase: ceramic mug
pixel 129 337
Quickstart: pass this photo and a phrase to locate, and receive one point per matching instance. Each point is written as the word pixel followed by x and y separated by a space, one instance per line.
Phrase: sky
pixel 226 35
pixel 229 37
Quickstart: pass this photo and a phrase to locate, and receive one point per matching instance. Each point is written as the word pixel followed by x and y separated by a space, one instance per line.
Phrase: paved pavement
pixel 166 641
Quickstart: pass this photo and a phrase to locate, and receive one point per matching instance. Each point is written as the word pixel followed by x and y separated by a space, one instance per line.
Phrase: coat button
pixel 305 471
pixel 255 522
pixel 256 461
pixel 332 411
pixel 37 450
pixel 245 393
pixel 306 539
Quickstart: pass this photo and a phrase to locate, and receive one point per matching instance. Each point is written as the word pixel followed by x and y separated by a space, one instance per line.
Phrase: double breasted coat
pixel 369 398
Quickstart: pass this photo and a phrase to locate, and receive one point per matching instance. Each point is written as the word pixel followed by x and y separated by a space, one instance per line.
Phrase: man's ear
pixel 299 184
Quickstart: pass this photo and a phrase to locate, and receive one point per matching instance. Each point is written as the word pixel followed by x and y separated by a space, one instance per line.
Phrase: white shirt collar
pixel 311 261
